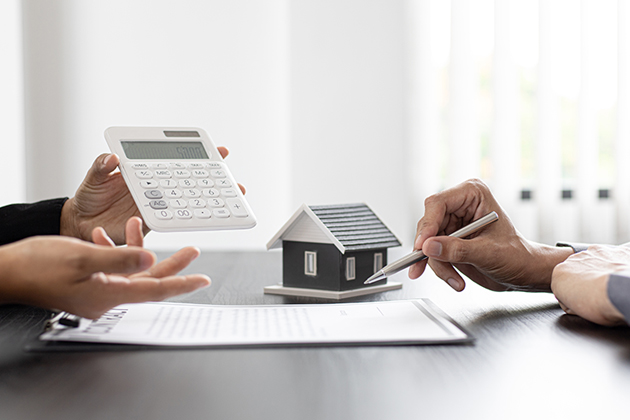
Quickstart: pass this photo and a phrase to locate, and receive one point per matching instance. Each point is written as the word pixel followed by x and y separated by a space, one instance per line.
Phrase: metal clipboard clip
pixel 63 318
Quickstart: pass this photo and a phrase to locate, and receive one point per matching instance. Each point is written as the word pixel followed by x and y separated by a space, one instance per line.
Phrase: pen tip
pixel 374 278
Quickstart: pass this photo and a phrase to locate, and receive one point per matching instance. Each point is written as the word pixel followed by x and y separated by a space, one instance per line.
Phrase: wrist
pixel 547 258
pixel 68 224
pixel 9 278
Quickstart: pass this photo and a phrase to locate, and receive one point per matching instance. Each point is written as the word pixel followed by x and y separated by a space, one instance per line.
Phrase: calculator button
pixel 173 193
pixel 144 174
pixel 163 214
pixel 228 192
pixel 178 204
pixel 153 194
pixel 159 166
pixel 202 213
pixel 217 173
pixel 200 173
pixel 158 204
pixel 205 183
pixel 211 192
pixel 197 203
pixel 195 166
pixel 149 184
pixel 181 173
pixel 221 213
pixel 224 183
pixel 139 166
pixel 183 214
pixel 186 183
pixel 162 173
pixel 191 193
pixel 237 207
pixel 216 202
pixel 177 166
pixel 214 165
pixel 168 183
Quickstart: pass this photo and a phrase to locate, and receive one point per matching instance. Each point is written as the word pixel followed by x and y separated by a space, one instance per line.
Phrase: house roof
pixel 350 227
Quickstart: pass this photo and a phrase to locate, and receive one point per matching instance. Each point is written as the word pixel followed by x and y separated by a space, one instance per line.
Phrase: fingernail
pixel 106 160
pixel 417 244
pixel 434 249
pixel 454 284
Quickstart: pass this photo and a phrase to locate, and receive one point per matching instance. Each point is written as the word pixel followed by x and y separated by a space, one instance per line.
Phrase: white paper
pixel 182 324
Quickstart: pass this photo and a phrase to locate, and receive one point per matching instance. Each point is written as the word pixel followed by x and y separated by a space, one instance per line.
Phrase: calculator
pixel 178 179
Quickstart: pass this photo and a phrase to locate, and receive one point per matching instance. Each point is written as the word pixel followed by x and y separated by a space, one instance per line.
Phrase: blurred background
pixel 320 101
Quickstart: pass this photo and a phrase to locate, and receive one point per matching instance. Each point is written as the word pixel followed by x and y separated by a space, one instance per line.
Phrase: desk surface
pixel 529 361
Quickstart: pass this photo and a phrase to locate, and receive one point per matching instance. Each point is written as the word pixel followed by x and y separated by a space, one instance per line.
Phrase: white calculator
pixel 178 179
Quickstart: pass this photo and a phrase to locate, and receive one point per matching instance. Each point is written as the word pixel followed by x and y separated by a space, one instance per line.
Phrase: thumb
pixel 130 259
pixel 101 168
pixel 452 250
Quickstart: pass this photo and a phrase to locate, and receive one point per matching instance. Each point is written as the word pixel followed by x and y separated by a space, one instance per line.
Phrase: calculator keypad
pixel 198 190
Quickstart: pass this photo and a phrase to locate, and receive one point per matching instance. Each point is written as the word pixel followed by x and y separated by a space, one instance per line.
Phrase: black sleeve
pixel 19 221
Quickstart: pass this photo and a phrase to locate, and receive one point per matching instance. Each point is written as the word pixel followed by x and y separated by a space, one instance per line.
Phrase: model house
pixel 334 247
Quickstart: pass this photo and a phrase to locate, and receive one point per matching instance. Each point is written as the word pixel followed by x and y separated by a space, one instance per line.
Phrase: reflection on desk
pixel 529 361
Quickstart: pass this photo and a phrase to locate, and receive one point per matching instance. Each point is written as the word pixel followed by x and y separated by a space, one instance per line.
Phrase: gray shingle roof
pixel 355 226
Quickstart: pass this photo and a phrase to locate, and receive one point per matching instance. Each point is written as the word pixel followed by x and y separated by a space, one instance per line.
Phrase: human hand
pixel 103 199
pixel 68 274
pixel 581 283
pixel 497 257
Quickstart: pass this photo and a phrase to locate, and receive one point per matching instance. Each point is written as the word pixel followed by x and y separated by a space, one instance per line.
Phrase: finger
pixel 417 269
pixel 134 235
pixel 90 259
pixel 447 273
pixel 101 168
pixel 224 151
pixel 566 309
pixel 451 209
pixel 152 289
pixel 243 190
pixel 456 250
pixel 100 237
pixel 173 264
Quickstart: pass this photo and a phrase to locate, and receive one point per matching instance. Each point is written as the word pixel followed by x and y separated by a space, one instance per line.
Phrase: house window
pixel 310 263
pixel 350 268
pixel 378 261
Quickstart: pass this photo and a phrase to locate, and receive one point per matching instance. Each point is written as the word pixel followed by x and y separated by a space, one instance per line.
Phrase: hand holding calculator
pixel 178 179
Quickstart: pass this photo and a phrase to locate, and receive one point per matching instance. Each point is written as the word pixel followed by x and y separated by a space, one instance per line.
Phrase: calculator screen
pixel 164 150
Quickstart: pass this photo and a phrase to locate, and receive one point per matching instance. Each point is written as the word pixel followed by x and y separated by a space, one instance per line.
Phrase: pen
pixel 416 256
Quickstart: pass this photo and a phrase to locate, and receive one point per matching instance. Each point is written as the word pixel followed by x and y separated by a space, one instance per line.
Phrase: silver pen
pixel 416 256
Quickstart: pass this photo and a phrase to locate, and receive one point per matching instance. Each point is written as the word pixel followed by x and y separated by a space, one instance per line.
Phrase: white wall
pixel 308 96
pixel 11 103
pixel 347 110
pixel 219 65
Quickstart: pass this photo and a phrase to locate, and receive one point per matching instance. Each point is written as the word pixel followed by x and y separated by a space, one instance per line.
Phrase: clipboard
pixel 166 326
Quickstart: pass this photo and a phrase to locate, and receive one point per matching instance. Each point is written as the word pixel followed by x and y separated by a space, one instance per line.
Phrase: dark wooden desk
pixel 529 361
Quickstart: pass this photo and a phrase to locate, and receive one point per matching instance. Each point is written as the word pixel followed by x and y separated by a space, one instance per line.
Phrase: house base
pixel 279 289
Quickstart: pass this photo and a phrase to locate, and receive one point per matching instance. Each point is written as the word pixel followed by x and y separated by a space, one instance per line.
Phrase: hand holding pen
pixel 497 257
pixel 417 256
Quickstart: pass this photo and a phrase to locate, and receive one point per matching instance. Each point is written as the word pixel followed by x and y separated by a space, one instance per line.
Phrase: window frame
pixel 312 254
pixel 378 255
pixel 353 275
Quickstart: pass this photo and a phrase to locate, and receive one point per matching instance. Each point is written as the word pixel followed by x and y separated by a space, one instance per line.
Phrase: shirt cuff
pixel 619 292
